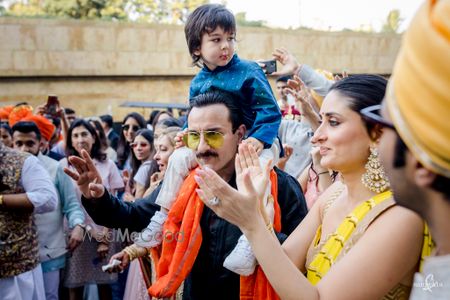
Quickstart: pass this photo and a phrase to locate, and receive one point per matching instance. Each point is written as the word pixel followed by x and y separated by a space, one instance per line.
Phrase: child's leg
pixel 181 162
pixel 241 260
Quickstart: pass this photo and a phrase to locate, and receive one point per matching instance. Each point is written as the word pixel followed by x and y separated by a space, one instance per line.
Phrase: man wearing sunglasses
pixel 415 145
pixel 214 133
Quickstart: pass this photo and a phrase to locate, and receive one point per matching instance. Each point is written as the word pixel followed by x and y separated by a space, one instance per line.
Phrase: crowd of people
pixel 337 190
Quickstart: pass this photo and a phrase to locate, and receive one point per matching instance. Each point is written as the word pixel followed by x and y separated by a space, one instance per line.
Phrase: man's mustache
pixel 207 154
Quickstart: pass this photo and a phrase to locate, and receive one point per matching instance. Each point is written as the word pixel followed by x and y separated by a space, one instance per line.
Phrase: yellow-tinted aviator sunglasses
pixel 213 138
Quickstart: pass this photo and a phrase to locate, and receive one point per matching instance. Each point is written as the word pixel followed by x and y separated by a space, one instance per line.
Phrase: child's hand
pixel 258 145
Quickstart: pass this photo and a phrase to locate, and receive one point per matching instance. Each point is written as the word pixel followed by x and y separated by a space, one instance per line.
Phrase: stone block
pixel 29 61
pixel 10 37
pixel 6 60
pixel 28 37
pixel 99 38
pixel 51 38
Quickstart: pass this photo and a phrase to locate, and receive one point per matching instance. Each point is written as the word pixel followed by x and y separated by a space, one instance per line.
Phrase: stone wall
pixel 94 66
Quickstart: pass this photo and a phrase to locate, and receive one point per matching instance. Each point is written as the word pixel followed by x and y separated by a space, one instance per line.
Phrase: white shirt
pixel 38 186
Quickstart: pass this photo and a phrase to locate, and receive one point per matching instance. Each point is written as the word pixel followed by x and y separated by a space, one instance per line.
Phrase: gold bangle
pixel 130 253
pixel 1 200
pixel 269 226
pixel 135 251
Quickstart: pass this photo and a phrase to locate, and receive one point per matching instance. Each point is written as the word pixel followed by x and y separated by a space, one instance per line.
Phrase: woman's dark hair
pixel 152 116
pixel 108 119
pixel 123 147
pixel 205 19
pixel 101 133
pixel 96 151
pixel 135 163
pixel 363 90
pixel 169 122
pixel 158 115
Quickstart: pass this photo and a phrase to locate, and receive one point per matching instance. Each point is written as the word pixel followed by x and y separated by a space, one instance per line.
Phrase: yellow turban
pixel 418 95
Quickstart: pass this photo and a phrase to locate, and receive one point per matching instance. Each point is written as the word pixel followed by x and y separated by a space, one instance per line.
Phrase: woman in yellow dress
pixel 355 243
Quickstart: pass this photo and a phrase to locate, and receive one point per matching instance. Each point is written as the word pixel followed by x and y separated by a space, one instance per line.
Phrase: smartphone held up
pixel 51 108
pixel 270 66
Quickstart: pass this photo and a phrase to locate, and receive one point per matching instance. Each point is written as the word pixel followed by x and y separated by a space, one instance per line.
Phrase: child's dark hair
pixel 205 19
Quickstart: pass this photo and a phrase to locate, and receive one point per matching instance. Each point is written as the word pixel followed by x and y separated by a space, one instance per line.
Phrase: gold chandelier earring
pixel 375 178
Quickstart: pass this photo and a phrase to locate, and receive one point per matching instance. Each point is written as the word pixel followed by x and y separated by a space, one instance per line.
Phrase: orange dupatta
pixel 183 238
pixel 181 242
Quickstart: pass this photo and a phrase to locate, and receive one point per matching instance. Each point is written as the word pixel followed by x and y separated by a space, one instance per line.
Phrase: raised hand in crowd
pixel 240 207
pixel 87 176
pixel 338 77
pixel 303 101
pixel 289 63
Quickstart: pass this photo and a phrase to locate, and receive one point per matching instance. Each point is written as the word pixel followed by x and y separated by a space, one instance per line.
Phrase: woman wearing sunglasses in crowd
pixel 84 266
pixel 130 125
pixel 137 284
pixel 354 243
pixel 142 165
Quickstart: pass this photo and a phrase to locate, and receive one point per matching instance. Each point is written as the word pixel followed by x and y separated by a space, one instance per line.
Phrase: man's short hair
pixel 284 78
pixel 220 97
pixel 440 184
pixel 205 19
pixel 5 126
pixel 108 119
pixel 69 110
pixel 27 127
